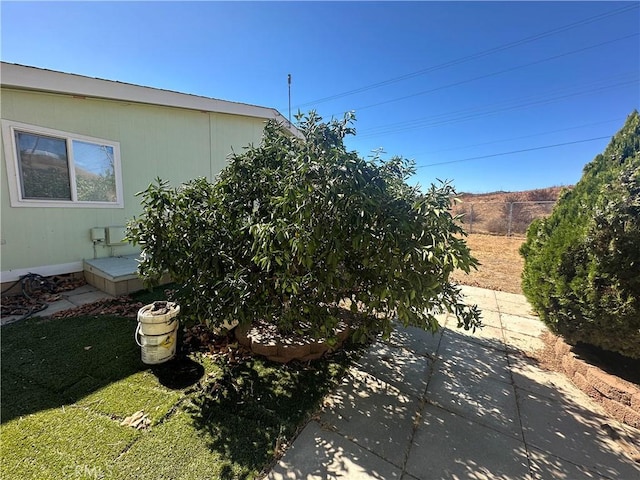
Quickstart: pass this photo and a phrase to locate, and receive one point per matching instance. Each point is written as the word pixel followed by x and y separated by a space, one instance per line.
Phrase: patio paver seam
pixel 416 423
pixel 473 420
pixel 597 474
pixel 509 352
pixel 327 427
pixel 407 476
pixel 423 401
pixel 517 395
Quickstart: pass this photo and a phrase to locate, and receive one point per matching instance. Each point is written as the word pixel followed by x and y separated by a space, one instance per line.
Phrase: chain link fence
pixel 501 218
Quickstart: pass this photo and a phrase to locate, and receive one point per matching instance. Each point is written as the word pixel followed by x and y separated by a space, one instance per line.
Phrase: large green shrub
pixel 582 264
pixel 295 225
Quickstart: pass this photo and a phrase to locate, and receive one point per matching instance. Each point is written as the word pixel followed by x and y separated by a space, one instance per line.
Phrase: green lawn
pixel 68 383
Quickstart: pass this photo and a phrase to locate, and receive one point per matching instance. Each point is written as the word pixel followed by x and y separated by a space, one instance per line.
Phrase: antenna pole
pixel 289 82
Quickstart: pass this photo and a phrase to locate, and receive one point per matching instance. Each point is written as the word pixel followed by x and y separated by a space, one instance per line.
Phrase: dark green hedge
pixel 582 264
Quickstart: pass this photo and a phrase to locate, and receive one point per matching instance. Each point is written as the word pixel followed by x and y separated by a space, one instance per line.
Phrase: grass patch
pixel 150 295
pixel 53 443
pixel 176 450
pixel 267 402
pixel 68 383
pixel 143 393
pixel 63 360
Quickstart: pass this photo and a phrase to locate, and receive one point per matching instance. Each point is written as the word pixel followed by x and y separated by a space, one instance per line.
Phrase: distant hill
pixel 500 213
pixel 537 195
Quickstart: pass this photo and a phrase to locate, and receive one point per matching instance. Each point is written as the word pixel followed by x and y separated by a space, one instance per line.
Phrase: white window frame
pixel 13 168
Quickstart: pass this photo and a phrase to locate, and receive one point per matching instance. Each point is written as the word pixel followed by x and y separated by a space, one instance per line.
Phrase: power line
pixel 492 74
pixel 482 114
pixel 474 56
pixel 512 152
pixel 539 134
pixel 486 110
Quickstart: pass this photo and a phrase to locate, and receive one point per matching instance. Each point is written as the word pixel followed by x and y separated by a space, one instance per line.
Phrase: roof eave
pixel 38 79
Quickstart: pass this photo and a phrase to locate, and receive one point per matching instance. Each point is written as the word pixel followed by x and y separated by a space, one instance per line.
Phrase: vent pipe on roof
pixel 289 83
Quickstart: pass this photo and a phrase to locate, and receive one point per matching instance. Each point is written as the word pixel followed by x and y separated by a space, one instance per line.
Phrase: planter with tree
pixel 297 229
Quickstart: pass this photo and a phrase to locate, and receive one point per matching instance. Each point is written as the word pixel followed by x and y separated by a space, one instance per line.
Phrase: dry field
pixel 500 263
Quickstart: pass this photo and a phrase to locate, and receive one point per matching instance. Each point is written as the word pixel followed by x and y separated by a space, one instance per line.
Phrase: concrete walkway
pixel 457 405
pixel 71 299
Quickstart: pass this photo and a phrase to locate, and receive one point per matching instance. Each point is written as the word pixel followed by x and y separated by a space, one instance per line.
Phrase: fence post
pixel 510 217
pixel 471 220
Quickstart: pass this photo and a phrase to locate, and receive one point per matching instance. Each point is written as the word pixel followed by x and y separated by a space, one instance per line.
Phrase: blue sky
pixel 455 86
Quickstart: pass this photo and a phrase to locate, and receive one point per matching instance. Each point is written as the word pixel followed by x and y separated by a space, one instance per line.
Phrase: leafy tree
pixel 582 264
pixel 295 225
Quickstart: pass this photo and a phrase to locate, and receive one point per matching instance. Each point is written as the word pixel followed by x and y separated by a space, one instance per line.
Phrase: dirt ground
pixel 500 263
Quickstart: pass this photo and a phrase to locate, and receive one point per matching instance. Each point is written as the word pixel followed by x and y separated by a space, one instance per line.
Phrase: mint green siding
pixel 172 143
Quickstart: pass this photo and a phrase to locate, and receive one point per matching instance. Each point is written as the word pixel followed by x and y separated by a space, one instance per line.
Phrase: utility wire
pixel 492 74
pixel 503 140
pixel 513 102
pixel 474 56
pixel 480 112
pixel 511 152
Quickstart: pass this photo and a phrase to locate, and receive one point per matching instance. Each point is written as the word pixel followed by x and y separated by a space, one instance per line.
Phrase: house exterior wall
pixel 175 144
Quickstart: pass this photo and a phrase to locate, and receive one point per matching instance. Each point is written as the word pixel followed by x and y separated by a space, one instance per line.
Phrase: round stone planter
pixel 264 339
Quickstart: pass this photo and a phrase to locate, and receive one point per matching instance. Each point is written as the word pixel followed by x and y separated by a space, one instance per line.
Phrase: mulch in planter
pixel 264 339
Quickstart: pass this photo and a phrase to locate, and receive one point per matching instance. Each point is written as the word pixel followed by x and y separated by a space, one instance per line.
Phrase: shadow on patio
pixel 457 406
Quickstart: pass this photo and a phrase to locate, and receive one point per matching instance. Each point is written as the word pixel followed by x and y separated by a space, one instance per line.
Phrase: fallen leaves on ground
pixel 123 306
pixel 200 338
pixel 36 292
pixel 138 420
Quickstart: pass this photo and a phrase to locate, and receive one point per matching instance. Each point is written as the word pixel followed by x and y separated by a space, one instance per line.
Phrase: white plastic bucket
pixel 157 334
pixel 157 348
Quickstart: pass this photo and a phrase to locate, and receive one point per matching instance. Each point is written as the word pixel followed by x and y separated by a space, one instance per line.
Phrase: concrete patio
pixel 71 299
pixel 456 405
pixel 462 406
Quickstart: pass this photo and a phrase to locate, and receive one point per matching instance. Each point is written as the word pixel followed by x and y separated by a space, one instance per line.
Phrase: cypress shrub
pixel 582 263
